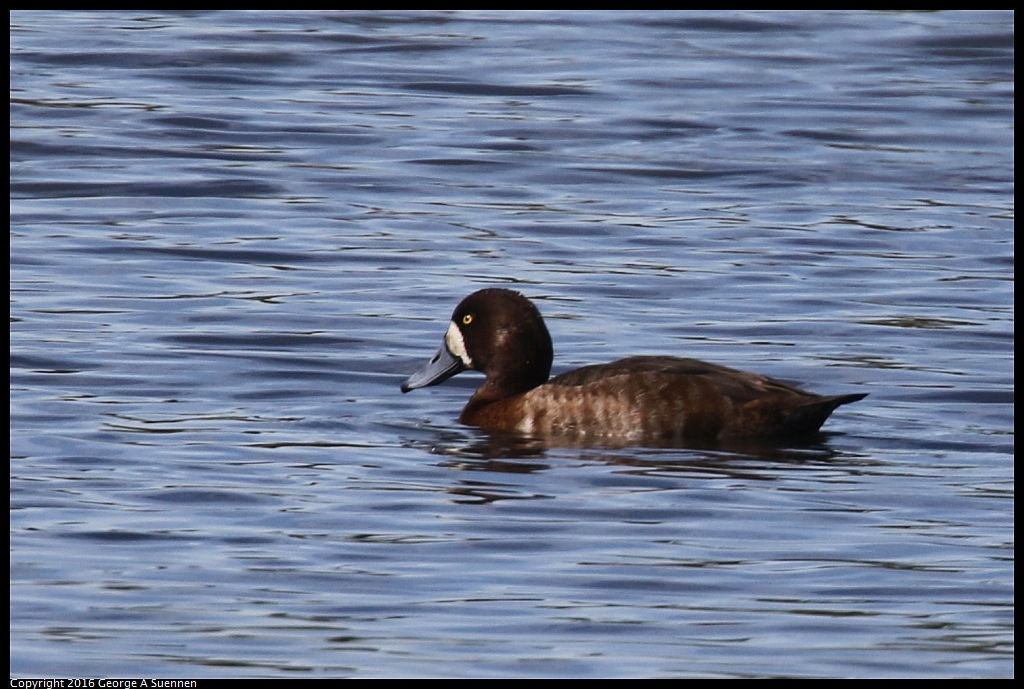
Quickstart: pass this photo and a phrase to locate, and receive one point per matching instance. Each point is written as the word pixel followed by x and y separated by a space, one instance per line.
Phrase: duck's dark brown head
pixel 497 332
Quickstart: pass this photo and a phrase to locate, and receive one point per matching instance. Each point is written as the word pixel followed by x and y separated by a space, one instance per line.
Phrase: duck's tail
pixel 808 418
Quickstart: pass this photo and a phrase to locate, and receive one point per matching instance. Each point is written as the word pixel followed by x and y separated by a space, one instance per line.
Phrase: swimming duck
pixel 501 333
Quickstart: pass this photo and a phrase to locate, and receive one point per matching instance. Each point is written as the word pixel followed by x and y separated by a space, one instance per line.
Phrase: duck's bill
pixel 442 367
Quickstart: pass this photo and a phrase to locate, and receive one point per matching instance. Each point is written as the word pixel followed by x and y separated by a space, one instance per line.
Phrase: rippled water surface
pixel 234 234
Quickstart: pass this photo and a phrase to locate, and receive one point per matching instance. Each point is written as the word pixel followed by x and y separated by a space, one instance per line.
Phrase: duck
pixel 643 399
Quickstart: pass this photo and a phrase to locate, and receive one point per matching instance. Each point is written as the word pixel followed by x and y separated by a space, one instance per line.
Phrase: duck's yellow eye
pixel 467 319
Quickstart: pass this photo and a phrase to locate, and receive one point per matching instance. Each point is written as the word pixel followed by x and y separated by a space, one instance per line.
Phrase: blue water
pixel 234 234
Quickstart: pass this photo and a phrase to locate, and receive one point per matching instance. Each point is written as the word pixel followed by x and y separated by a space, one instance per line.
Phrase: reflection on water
pixel 745 460
pixel 491 444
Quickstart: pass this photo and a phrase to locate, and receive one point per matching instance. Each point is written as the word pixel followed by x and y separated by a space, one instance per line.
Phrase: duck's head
pixel 498 332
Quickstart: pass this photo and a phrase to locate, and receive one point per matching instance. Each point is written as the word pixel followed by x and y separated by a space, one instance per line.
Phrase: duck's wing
pixel 709 399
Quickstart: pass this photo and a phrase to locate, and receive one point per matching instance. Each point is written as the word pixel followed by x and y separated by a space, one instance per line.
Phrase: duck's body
pixel 657 398
pixel 638 399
